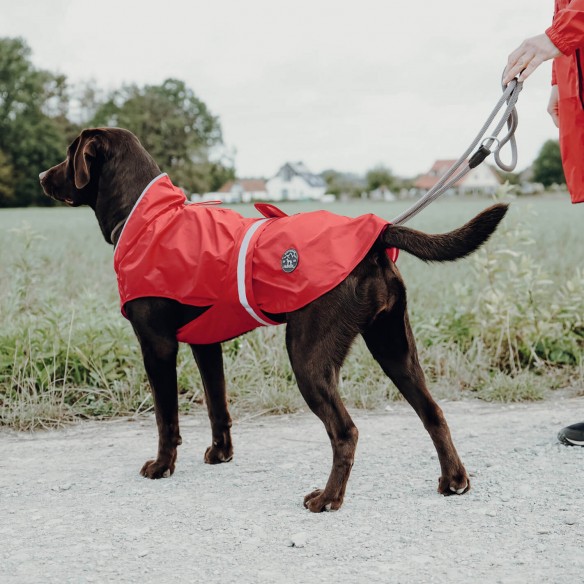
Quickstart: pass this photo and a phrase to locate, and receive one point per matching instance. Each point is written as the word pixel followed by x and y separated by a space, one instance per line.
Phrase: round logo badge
pixel 289 260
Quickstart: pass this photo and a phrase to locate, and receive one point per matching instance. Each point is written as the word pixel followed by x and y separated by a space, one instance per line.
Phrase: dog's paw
pixel 154 469
pixel 456 484
pixel 218 454
pixel 317 502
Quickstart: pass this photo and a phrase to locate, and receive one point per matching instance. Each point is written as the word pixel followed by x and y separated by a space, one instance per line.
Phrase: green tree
pixel 30 138
pixel 219 173
pixel 547 167
pixel 6 181
pixel 380 176
pixel 511 177
pixel 343 184
pixel 174 125
pixel 88 99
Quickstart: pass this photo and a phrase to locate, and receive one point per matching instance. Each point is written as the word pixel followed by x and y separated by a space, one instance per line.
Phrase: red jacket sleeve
pixel 567 30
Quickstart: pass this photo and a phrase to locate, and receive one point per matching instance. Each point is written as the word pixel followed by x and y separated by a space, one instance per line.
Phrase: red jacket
pixel 241 268
pixel 567 33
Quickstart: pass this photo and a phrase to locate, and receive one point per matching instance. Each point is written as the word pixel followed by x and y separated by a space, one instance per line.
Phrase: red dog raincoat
pixel 240 268
pixel 567 33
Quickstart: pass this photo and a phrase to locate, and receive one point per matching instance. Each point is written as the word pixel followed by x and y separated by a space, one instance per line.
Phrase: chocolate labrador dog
pixel 108 169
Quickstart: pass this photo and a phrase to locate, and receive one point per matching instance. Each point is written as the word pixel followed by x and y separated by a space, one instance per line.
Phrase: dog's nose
pixel 42 174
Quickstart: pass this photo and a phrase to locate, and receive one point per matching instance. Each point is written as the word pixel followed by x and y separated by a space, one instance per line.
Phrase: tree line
pixel 41 113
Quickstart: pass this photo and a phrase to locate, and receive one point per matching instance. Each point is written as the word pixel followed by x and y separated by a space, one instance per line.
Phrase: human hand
pixel 553 106
pixel 526 58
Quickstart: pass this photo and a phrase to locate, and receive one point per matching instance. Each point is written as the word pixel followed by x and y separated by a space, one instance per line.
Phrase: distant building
pixel 382 194
pixel 481 179
pixel 243 190
pixel 294 182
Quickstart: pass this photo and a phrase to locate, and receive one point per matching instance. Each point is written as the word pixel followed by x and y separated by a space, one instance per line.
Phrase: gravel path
pixel 73 507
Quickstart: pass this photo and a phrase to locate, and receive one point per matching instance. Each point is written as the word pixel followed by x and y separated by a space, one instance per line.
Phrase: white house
pixel 482 178
pixel 295 182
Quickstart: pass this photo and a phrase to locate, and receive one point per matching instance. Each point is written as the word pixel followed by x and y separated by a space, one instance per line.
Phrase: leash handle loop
pixel 510 95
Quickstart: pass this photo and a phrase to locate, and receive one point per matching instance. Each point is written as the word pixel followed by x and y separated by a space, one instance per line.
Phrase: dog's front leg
pixel 209 360
pixel 160 363
pixel 159 350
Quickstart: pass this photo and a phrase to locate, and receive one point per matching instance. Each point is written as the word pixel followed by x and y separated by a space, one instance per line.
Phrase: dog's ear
pixel 83 158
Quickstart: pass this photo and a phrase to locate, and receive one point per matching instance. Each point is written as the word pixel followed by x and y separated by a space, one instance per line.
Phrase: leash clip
pixel 478 156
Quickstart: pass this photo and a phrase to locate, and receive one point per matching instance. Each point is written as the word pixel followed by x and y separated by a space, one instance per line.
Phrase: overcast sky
pixel 344 85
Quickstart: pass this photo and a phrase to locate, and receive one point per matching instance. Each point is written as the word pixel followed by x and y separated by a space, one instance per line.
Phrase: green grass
pixel 506 324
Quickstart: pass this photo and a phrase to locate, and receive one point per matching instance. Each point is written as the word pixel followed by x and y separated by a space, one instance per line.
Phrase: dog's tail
pixel 446 247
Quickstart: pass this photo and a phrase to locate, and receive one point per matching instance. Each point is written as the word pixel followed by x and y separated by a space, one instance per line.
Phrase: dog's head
pixel 105 168
pixel 96 156
pixel 72 181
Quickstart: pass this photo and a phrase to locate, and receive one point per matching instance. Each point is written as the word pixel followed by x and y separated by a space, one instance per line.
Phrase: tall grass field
pixel 505 324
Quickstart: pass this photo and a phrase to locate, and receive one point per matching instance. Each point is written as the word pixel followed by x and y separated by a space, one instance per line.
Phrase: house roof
pixel 438 170
pixel 300 169
pixel 249 185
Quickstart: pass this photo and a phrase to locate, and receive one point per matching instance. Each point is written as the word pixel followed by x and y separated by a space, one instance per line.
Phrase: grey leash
pixel 463 166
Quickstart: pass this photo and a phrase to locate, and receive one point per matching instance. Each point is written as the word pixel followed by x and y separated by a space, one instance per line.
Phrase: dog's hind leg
pixel 317 343
pixel 390 339
pixel 209 359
